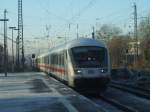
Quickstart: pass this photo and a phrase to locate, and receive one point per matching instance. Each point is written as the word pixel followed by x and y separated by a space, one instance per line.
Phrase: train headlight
pixel 78 72
pixel 104 70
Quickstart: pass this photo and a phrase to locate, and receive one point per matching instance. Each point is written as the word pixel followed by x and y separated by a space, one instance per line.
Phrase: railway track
pixel 145 93
pixel 117 104
pixel 123 101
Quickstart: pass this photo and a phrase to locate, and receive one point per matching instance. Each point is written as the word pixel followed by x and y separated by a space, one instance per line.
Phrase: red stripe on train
pixel 54 69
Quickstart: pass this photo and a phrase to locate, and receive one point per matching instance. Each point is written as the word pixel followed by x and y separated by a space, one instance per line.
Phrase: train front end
pixel 91 67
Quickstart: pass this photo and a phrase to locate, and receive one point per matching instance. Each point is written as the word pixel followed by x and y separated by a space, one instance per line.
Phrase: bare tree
pixel 144 35
pixel 107 31
pixel 118 47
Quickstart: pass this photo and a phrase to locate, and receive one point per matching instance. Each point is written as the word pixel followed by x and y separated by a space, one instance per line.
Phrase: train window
pixel 58 59
pixel 42 60
pixel 49 59
pixel 55 59
pixel 39 61
pixel 89 56
pixel 45 60
pixel 61 59
pixel 52 59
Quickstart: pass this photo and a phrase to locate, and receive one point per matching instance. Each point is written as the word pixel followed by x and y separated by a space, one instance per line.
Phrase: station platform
pixel 37 92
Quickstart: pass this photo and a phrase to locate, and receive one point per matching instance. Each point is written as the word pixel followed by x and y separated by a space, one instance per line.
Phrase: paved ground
pixel 36 92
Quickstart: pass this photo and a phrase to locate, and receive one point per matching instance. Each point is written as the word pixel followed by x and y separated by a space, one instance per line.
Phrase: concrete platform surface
pixel 37 92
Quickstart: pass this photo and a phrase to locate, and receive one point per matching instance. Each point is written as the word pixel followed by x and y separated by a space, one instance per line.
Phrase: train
pixel 83 64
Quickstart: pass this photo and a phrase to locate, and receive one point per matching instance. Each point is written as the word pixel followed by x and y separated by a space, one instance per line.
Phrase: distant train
pixel 83 64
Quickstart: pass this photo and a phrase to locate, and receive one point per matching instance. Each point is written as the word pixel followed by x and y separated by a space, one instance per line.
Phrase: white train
pixel 83 64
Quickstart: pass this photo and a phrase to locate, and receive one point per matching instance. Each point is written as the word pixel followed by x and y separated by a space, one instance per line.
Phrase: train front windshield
pixel 89 56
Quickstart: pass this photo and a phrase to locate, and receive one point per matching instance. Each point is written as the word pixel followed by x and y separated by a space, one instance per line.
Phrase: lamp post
pixel 12 28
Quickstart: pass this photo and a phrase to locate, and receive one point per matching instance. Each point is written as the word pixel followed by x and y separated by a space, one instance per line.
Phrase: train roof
pixel 85 42
pixel 76 43
pixel 80 42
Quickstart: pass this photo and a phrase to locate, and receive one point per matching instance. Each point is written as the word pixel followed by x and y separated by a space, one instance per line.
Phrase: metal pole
pixel 12 28
pixel 5 44
pixel 12 53
pixel 93 33
pixel 77 31
pixel 135 32
pixel 20 32
pixel 18 54
pixel 17 51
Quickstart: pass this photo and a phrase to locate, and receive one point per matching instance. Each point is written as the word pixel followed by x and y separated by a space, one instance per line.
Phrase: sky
pixel 59 18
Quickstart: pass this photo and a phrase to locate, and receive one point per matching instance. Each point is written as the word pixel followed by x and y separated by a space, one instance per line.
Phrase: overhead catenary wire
pixel 63 26
pixel 8 38
pixel 75 17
